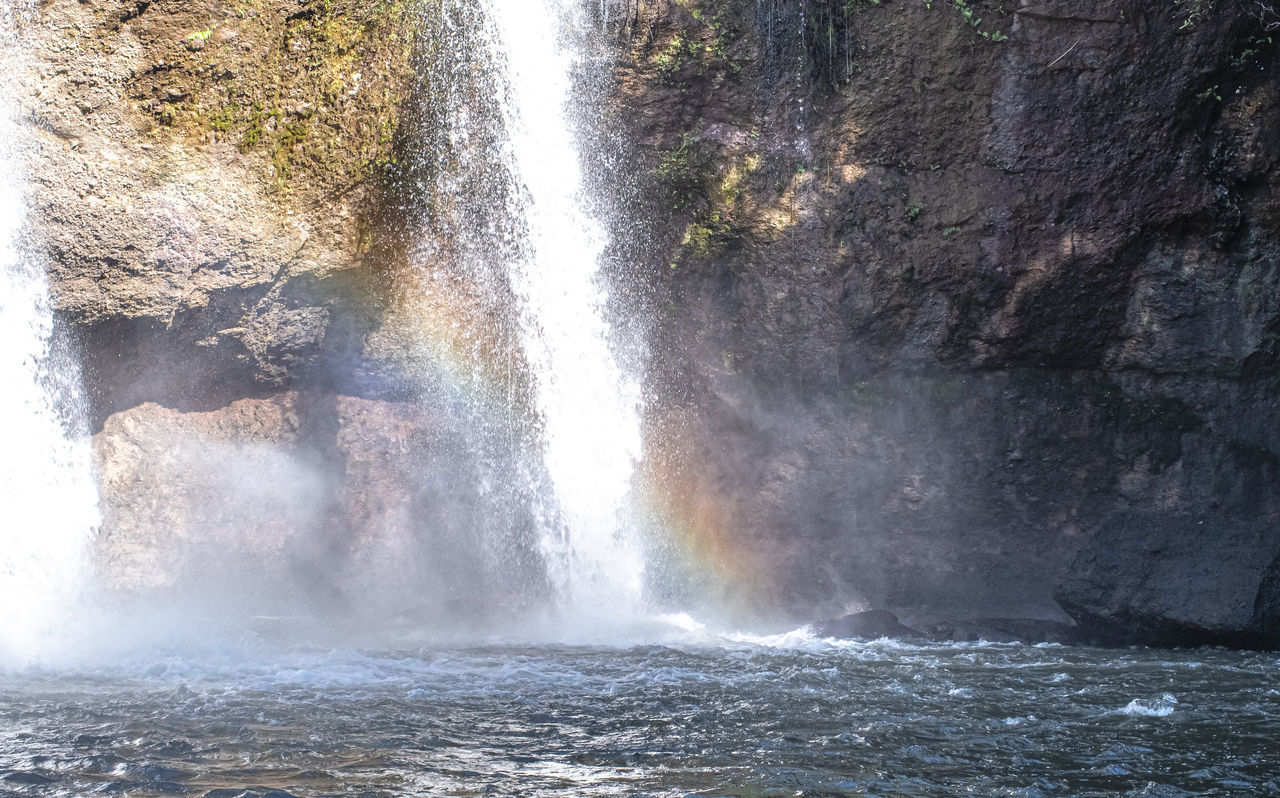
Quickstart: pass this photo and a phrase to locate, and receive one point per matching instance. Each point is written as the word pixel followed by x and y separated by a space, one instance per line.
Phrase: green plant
pixel 1194 11
pixel 681 172
pixel 913 212
pixel 970 16
pixel 222 120
pixel 1212 91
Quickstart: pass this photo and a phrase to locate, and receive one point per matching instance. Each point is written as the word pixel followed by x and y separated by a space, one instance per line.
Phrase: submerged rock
pixel 869 625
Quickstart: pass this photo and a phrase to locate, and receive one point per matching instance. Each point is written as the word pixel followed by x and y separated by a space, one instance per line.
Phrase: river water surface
pixel 699 714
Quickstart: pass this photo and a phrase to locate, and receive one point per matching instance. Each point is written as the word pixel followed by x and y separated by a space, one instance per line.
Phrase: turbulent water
pixel 688 714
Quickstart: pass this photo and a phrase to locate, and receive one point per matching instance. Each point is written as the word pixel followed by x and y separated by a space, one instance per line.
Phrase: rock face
pixel 952 308
pixel 1164 580
pixel 304 502
pixel 204 178
pixel 944 303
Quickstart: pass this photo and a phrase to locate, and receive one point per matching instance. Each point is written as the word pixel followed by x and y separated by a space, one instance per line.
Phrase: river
pixel 688 712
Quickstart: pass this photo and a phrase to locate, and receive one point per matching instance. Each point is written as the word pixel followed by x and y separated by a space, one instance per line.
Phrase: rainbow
pixel 469 343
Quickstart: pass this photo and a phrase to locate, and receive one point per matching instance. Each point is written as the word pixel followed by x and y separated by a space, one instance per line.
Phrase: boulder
pixel 869 625
pixel 1145 579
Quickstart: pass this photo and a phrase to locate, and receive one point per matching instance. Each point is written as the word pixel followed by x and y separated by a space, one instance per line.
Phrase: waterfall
pixel 508 206
pixel 47 493
pixel 588 403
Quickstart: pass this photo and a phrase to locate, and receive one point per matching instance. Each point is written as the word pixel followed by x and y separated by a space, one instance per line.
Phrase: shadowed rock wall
pixel 937 304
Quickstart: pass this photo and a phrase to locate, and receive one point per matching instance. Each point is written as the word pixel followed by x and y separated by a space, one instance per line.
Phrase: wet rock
pixel 284 486
pixel 869 625
pixel 1156 580
pixel 1267 613
pixel 922 364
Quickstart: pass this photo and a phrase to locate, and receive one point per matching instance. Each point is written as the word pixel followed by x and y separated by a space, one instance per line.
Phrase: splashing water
pixel 510 198
pixel 47 493
pixel 589 405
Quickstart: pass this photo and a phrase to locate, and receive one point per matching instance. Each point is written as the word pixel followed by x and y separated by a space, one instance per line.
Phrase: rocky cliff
pixel 975 304
pixel 959 309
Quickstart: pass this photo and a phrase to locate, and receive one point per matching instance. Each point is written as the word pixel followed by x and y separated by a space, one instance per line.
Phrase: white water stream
pixel 48 499
pixel 589 404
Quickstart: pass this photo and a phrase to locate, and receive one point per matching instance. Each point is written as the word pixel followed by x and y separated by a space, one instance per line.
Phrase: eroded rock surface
pixel 204 177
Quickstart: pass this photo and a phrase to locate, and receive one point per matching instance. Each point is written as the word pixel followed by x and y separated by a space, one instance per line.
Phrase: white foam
pixel 1162 707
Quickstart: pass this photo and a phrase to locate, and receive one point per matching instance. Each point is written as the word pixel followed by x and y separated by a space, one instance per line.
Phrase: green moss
pixel 682 172
pixel 221 120
pixel 704 46
pixel 313 90
pixel 710 192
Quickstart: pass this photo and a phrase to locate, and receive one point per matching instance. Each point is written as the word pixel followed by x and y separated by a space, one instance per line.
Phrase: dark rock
pixel 920 368
pixel 1150 579
pixel 869 625
pixel 1266 616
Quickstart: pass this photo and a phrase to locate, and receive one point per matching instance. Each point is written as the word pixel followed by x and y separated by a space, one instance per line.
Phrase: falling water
pixel 509 196
pixel 588 403
pixel 47 493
